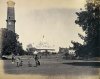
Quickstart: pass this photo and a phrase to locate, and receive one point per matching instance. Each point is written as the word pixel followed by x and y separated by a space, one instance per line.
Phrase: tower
pixel 11 16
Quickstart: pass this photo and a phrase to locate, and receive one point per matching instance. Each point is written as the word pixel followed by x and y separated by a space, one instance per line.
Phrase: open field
pixel 51 68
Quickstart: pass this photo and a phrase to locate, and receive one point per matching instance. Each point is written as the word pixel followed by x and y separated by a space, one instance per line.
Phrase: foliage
pixel 11 44
pixel 19 49
pixel 88 20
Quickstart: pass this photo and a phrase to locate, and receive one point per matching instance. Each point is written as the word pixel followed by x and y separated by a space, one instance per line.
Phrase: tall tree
pixel 89 20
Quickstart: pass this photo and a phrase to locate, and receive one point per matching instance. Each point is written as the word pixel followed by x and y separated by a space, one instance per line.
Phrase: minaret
pixel 10 16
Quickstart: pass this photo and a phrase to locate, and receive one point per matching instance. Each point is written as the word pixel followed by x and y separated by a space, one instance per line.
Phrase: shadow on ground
pixel 91 64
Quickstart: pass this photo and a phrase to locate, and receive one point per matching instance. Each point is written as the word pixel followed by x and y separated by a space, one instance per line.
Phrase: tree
pixel 89 21
pixel 9 42
pixel 19 49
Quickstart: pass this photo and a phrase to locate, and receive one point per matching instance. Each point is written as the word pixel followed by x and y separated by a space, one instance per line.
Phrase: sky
pixel 51 21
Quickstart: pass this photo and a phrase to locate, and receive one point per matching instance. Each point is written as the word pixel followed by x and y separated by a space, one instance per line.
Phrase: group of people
pixel 19 61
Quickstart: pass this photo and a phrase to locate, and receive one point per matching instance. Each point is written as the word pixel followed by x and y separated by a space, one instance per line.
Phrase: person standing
pixel 29 62
pixel 21 62
pixel 18 61
pixel 13 58
pixel 37 60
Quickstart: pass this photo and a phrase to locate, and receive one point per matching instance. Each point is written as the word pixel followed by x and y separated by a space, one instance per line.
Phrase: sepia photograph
pixel 49 39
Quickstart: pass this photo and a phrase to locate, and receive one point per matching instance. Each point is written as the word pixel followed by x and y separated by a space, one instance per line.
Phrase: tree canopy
pixel 89 21
pixel 11 44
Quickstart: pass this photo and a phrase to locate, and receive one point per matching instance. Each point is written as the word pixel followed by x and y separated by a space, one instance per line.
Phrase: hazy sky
pixel 52 18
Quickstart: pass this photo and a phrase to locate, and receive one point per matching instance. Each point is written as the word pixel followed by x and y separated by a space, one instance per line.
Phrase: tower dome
pixel 10 3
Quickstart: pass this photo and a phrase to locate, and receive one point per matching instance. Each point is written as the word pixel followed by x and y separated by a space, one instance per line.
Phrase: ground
pixel 51 68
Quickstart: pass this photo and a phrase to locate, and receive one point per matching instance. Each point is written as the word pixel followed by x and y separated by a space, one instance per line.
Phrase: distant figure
pixel 29 62
pixel 21 62
pixel 37 60
pixel 40 57
pixel 18 61
pixel 13 58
